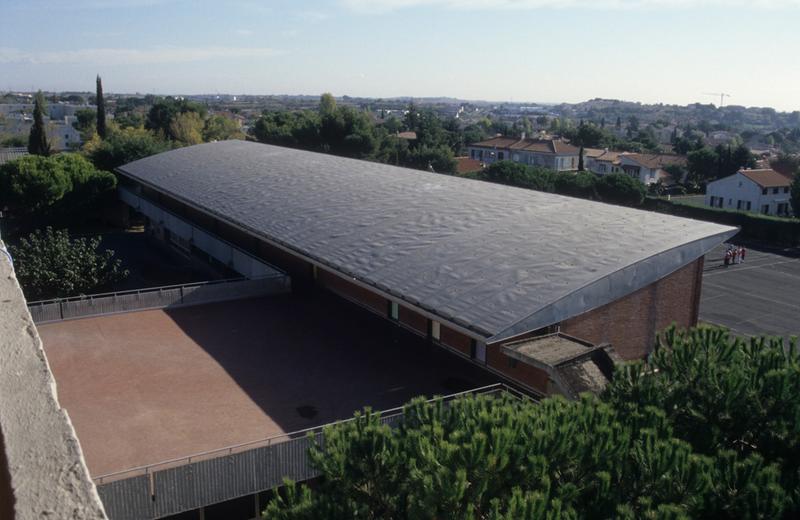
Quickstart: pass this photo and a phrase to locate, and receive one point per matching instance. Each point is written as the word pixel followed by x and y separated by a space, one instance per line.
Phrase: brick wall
pixel 413 320
pixel 455 339
pixel 339 285
pixel 631 323
pixel 522 372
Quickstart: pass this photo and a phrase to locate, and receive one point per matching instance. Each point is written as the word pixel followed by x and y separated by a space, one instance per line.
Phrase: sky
pixel 652 51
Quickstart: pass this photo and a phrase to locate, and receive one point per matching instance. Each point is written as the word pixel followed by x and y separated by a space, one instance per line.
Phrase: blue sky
pixel 669 51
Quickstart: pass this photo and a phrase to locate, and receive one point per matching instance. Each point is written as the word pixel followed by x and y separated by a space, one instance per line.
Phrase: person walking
pixel 735 255
pixel 727 258
pixel 742 251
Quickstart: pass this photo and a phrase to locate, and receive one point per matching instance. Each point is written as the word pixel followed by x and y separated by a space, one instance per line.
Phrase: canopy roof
pixel 493 259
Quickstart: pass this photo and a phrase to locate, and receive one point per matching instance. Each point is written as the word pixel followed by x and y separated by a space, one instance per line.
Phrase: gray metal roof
pixel 494 259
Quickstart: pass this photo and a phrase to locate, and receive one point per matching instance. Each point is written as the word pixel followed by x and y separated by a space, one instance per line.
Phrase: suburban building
pixel 549 153
pixel 12 154
pixel 601 161
pixel 198 399
pixel 650 168
pixel 763 191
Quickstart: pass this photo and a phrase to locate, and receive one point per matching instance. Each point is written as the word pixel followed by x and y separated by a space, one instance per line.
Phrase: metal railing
pixel 58 309
pixel 186 483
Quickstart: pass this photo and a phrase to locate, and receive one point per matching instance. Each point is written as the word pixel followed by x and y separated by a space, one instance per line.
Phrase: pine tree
pixel 101 110
pixel 37 140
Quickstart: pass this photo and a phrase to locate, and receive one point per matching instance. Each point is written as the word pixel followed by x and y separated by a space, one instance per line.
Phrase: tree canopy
pixel 49 264
pixel 707 429
pixel 123 146
pixel 37 140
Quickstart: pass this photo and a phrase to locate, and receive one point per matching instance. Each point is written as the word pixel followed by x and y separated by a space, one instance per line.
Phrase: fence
pixel 157 298
pixel 188 483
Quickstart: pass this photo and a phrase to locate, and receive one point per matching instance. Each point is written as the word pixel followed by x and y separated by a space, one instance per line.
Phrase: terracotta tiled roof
pixel 551 146
pixel 766 178
pixel 407 135
pixel 655 161
pixel 467 165
pixel 9 154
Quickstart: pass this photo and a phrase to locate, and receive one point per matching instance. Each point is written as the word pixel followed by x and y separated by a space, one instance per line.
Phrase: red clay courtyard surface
pixel 144 387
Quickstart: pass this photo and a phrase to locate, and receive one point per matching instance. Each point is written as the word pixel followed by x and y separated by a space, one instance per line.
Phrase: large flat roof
pixel 493 259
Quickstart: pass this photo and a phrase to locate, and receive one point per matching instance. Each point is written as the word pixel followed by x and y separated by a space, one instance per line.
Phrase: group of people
pixel 734 255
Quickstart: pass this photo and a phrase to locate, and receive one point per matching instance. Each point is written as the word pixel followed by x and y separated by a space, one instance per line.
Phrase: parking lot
pixel 759 296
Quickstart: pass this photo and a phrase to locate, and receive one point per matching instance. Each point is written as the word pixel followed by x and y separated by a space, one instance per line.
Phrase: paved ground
pixel 149 386
pixel 758 296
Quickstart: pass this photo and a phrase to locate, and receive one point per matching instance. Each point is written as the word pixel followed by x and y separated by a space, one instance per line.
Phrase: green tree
pixel 101 110
pixel 795 194
pixel 582 184
pixel 221 128
pixel 37 140
pixel 618 188
pixel 186 128
pixel 124 146
pixel 86 123
pixel 327 104
pixel 703 166
pixel 49 264
pixel 580 159
pixel 32 183
pixel 161 115
pixel 630 454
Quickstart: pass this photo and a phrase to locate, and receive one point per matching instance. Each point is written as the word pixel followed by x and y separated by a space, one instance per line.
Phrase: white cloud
pixel 392 5
pixel 148 56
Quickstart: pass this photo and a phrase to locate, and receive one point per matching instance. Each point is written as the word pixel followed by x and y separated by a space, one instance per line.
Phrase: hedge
pixel 763 228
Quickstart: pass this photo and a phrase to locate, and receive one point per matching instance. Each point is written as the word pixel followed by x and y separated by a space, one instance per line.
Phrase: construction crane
pixel 721 95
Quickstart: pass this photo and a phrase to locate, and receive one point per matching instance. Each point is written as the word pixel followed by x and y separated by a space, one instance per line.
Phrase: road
pixel 760 296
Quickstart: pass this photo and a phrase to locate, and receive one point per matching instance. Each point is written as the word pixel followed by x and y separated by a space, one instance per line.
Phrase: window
pixel 765 209
pixel 516 157
pixel 394 311
pixel 775 190
pixel 730 202
pixel 764 191
pixel 748 205
pixel 786 189
pixel 739 204
pixel 480 154
pixel 436 331
pixel 783 208
pixel 472 154
pixel 500 156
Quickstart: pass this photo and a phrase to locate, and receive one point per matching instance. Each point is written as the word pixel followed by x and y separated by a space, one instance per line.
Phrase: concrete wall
pixel 631 323
pixel 42 470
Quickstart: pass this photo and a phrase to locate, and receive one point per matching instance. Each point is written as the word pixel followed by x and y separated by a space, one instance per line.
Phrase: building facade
pixel 550 153
pixel 762 191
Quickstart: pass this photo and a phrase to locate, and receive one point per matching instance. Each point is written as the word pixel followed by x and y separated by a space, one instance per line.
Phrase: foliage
pixel 101 110
pixel 13 141
pixel 582 184
pixel 86 122
pixel 186 128
pixel 795 195
pixel 221 128
pixel 346 131
pixel 123 146
pixel 49 264
pixel 709 429
pixel 706 164
pixel 520 175
pixel 37 140
pixel 59 189
pixel 163 113
pixel 728 397
pixel 619 188
pixel 32 183
pixel 764 228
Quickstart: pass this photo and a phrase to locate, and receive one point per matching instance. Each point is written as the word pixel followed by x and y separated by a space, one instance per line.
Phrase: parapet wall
pixel 42 470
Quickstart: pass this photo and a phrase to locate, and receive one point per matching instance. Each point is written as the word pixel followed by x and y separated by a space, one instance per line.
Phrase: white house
pixel 650 168
pixel 764 191
pixel 601 161
pixel 549 153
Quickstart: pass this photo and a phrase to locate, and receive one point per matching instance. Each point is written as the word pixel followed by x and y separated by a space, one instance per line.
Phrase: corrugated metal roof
pixel 495 259
pixel 11 154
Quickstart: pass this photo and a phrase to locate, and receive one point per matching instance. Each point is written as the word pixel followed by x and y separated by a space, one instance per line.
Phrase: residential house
pixel 649 168
pixel 765 191
pixel 549 153
pixel 601 161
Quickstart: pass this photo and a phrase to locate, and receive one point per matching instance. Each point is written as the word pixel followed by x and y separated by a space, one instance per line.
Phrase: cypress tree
pixel 101 109
pixel 580 159
pixel 37 140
